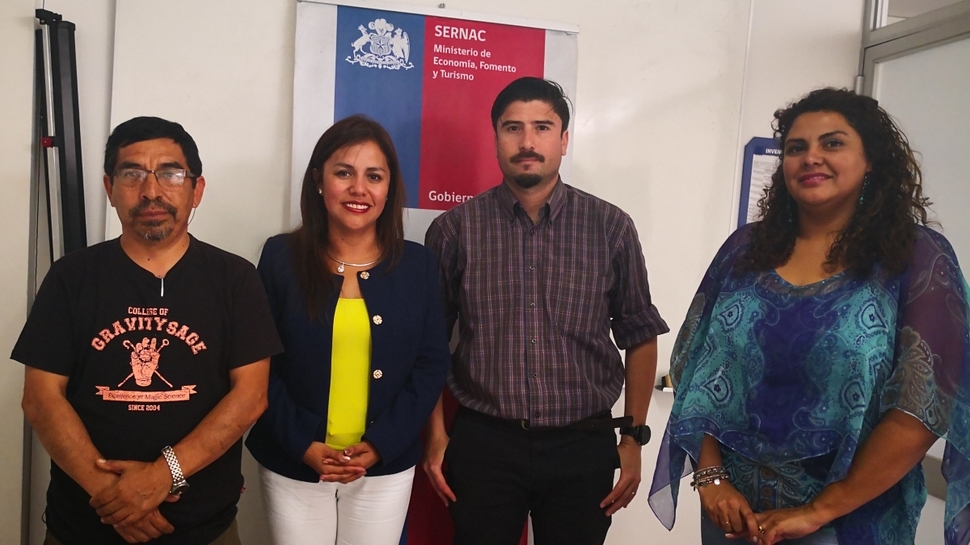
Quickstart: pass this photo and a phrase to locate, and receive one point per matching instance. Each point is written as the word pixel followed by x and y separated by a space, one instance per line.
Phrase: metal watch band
pixel 178 480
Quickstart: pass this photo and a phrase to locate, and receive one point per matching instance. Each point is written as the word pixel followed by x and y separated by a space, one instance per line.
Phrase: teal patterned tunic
pixel 792 379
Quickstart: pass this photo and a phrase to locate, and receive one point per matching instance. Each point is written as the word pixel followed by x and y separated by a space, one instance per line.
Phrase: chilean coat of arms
pixel 387 47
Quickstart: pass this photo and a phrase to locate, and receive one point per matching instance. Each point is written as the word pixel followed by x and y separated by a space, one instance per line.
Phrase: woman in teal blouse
pixel 826 350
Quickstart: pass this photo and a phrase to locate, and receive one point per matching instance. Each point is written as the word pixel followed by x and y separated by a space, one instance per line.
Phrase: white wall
pixel 227 76
pixel 668 92
pixel 16 84
pixel 795 47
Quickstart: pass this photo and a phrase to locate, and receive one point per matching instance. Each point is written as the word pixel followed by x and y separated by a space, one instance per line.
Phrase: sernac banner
pixel 429 80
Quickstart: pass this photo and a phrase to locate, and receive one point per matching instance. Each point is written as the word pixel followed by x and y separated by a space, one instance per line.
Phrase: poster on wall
pixel 761 156
pixel 429 76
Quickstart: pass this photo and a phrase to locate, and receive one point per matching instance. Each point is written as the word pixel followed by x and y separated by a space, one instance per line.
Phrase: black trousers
pixel 501 473
pixel 229 537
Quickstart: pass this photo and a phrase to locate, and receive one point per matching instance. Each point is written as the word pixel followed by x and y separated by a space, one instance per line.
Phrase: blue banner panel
pixel 379 74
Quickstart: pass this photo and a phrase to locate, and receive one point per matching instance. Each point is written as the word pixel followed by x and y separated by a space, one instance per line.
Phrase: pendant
pixel 340 268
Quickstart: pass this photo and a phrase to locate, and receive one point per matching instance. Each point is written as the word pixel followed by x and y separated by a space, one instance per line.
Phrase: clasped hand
pixel 341 466
pixel 730 511
pixel 793 523
pixel 130 503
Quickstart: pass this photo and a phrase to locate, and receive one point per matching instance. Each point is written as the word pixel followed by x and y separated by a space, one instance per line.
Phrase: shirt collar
pixel 508 202
pixel 557 200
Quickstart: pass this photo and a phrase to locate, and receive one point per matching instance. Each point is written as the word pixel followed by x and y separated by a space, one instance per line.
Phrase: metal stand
pixel 60 130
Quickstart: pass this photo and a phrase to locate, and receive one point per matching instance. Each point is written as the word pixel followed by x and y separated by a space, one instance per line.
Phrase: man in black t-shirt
pixel 147 358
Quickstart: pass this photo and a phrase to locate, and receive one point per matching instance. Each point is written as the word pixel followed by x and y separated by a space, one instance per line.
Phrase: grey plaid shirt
pixel 536 303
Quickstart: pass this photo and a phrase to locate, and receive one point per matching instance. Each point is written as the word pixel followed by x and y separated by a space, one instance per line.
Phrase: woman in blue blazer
pixel 359 313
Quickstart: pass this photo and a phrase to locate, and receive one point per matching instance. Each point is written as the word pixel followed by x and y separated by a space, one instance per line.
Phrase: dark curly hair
pixel 881 230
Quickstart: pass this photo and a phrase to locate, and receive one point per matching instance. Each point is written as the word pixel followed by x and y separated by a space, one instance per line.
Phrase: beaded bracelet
pixel 708 475
pixel 710 470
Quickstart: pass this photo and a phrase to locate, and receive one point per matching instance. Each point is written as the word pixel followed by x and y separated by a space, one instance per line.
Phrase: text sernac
pixel 459 33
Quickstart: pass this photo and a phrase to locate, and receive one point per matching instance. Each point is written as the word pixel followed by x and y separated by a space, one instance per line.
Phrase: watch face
pixel 640 434
pixel 179 488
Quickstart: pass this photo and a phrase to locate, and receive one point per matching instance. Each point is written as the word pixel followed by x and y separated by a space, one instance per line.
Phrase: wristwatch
pixel 640 434
pixel 179 484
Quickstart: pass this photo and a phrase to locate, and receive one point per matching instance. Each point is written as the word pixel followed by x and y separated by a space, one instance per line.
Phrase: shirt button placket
pixel 531 318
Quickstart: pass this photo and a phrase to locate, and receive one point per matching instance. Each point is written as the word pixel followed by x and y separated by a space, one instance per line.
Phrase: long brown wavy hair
pixel 881 230
pixel 310 242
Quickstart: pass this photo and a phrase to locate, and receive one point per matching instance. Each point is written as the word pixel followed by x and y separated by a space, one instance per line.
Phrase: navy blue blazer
pixel 409 361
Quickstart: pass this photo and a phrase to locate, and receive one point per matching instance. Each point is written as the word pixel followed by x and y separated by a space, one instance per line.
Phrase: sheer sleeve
pixel 672 463
pixel 931 374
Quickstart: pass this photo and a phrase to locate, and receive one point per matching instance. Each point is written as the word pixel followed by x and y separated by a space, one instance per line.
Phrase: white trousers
pixel 368 511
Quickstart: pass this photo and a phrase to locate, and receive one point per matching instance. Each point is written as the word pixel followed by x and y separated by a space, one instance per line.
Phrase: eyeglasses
pixel 167 177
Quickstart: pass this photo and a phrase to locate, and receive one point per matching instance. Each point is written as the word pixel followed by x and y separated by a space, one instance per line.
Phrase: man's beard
pixel 527 181
pixel 156 231
pixel 153 230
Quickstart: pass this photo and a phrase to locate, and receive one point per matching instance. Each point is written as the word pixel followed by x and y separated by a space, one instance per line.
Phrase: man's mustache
pixel 157 202
pixel 527 155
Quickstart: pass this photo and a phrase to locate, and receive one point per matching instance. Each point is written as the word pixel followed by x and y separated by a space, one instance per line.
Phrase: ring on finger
pixel 761 529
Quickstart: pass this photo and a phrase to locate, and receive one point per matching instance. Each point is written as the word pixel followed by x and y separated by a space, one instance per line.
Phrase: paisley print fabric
pixel 792 379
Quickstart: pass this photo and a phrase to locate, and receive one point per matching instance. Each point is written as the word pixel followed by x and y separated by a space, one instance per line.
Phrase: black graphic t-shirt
pixel 147 360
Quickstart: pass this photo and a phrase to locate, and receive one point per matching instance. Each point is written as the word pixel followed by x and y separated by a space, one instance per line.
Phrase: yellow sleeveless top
pixel 349 374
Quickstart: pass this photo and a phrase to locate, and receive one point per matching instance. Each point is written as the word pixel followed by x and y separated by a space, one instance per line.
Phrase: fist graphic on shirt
pixel 144 359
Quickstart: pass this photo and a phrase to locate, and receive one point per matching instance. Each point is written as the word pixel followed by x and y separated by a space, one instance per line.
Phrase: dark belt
pixel 600 421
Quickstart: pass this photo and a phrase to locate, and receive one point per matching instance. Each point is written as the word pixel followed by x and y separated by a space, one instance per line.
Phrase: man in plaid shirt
pixel 538 274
